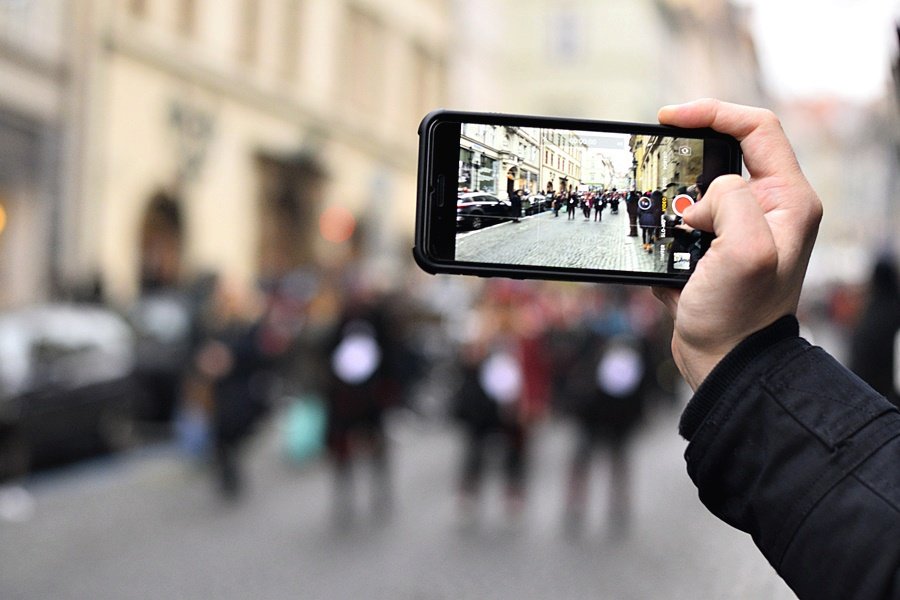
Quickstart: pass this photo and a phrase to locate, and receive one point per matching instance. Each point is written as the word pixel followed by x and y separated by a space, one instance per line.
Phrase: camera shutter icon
pixel 684 150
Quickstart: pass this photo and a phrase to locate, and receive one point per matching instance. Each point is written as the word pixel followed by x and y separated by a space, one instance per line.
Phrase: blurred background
pixel 221 374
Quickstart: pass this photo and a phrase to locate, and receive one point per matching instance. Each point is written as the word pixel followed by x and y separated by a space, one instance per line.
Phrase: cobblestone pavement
pixel 560 242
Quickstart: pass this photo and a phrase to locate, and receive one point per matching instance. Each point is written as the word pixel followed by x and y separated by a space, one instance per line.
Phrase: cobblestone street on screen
pixel 556 241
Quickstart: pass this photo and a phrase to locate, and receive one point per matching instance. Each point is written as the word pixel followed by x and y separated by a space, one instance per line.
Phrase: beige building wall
pixel 617 59
pixel 34 103
pixel 344 82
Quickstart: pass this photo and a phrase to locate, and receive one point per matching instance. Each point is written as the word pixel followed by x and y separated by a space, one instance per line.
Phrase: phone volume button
pixel 438 191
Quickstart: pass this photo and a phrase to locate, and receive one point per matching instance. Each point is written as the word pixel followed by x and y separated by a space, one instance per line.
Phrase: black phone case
pixel 435 267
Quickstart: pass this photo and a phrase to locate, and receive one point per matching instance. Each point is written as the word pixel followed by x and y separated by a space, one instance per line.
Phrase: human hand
pixel 765 230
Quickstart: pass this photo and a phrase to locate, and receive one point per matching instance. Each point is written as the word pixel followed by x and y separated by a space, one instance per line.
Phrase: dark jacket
pixel 241 395
pixel 791 447
pixel 361 383
pixel 647 218
pixel 597 411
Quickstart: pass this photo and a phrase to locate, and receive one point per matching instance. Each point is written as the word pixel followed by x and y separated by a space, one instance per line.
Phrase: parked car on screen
pixel 66 387
pixel 475 210
pixel 535 204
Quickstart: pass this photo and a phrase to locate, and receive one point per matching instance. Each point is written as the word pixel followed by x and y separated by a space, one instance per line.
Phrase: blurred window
pixel 423 68
pixel 161 243
pixel 291 42
pixel 364 65
pixel 187 17
pixel 137 8
pixel 249 31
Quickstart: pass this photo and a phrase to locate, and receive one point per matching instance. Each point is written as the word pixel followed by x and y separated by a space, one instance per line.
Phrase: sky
pixel 840 48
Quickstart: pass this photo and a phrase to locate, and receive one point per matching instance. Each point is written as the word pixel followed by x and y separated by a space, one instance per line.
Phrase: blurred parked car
pixel 475 210
pixel 66 385
pixel 163 322
pixel 535 204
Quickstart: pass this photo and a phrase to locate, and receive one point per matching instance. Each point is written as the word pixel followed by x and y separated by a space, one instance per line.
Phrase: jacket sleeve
pixel 789 446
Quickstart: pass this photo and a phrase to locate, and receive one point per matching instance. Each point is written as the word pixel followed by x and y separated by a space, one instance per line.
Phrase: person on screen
pixel 571 202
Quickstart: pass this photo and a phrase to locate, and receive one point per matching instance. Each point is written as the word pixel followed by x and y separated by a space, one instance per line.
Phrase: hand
pixel 765 230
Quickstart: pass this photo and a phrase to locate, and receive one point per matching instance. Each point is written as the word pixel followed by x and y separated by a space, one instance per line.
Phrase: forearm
pixel 790 447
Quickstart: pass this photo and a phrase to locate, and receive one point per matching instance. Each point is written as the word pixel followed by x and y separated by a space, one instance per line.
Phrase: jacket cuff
pixel 730 368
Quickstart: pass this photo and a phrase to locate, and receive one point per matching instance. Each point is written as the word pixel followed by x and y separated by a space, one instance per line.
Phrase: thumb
pixel 727 204
pixel 730 211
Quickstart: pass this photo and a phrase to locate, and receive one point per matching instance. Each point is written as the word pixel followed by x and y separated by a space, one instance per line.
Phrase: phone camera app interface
pixel 577 199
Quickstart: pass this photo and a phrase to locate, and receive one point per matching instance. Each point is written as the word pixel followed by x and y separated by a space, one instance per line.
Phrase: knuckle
pixel 768 117
pixel 731 180
pixel 816 210
pixel 724 184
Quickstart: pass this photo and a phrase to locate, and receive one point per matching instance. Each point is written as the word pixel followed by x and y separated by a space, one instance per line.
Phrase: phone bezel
pixel 438 158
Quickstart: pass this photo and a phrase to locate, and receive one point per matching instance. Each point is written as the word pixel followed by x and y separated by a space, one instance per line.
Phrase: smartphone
pixel 534 197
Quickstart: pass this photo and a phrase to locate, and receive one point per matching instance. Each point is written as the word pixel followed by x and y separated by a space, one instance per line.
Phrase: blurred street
pixel 149 525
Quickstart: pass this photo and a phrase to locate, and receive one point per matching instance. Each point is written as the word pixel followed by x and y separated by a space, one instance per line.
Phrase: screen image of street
pixel 575 199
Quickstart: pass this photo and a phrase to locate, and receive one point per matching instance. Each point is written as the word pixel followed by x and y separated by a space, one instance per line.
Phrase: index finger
pixel 767 151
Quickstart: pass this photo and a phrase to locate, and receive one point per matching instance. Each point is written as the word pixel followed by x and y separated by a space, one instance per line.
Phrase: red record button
pixel 680 203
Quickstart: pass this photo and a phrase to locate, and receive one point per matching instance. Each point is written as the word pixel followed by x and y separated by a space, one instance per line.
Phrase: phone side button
pixel 438 192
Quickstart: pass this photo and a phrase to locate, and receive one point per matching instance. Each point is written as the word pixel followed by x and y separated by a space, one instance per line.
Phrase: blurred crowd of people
pixel 328 355
pixel 596 356
pixel 334 353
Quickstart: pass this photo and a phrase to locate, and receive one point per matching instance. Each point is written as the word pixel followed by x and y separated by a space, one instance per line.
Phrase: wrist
pixel 696 361
pixel 717 381
pixel 695 366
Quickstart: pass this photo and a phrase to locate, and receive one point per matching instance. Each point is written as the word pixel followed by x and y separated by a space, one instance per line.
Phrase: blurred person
pixel 514 200
pixel 631 206
pixel 784 442
pixel 361 386
pixel 516 204
pixel 165 321
pixel 647 220
pixel 503 391
pixel 233 361
pixel 571 203
pixel 604 370
pixel 556 199
pixel 603 199
pixel 874 342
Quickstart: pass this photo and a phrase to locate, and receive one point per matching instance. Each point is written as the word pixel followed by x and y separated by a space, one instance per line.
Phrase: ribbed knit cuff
pixel 730 368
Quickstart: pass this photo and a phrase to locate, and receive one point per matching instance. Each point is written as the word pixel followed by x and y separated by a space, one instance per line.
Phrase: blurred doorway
pixel 162 241
pixel 291 191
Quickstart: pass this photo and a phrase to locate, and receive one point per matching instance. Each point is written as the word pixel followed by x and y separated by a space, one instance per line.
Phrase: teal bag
pixel 303 428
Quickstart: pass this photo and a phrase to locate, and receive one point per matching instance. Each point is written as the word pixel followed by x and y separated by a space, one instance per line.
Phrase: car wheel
pixel 477 222
pixel 117 428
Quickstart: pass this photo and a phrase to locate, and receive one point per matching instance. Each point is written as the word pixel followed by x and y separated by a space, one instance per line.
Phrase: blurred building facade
pixel 145 141
pixel 617 60
pixel 177 137
pixel 849 153
pixel 34 111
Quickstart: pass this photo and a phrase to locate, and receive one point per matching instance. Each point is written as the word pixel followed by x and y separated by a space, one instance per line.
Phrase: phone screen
pixel 608 199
